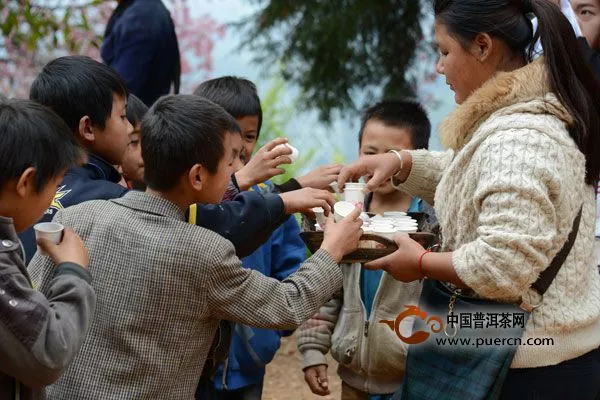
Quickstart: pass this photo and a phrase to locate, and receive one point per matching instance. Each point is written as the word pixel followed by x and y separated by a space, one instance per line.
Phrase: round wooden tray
pixel 313 240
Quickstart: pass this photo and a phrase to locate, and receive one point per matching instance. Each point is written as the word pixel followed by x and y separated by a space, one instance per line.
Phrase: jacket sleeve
pixel 41 334
pixel 519 227
pixel 288 186
pixel 247 221
pixel 427 170
pixel 248 297
pixel 314 336
pixel 288 252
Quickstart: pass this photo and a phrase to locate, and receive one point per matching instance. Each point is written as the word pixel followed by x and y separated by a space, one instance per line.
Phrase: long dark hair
pixel 569 74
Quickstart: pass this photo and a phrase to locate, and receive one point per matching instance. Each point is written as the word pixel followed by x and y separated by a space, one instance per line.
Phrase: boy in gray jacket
pixel 40 335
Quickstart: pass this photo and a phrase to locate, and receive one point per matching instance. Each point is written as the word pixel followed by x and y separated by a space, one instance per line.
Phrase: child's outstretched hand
pixel 316 377
pixel 342 237
pixel 321 177
pixel 71 249
pixel 303 200
pixel 264 164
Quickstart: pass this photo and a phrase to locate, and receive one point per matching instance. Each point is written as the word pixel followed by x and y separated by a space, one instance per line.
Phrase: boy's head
pixel 393 125
pixel 588 16
pixel 91 98
pixel 38 148
pixel 187 148
pixel 239 98
pixel 133 164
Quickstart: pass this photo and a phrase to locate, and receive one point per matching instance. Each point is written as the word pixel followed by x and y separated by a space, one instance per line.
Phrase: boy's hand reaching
pixel 71 249
pixel 264 164
pixel 321 177
pixel 303 200
pixel 317 380
pixel 342 238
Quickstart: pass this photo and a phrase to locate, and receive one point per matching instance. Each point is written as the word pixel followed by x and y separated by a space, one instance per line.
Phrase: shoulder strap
pixel 547 276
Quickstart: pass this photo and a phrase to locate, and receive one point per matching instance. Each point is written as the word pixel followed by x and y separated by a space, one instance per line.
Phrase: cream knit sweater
pixel 506 195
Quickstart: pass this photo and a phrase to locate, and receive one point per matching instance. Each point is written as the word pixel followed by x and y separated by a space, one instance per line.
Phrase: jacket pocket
pixel 346 338
pixel 387 352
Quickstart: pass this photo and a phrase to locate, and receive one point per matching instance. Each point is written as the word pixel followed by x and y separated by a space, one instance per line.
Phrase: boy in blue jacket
pixel 241 375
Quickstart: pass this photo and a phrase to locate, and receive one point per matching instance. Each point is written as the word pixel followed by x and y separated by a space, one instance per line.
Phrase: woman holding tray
pixel 514 196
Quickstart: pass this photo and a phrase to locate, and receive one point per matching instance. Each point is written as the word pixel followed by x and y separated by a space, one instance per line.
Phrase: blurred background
pixel 317 64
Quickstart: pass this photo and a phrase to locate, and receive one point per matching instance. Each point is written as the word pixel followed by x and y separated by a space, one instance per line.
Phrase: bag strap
pixel 547 276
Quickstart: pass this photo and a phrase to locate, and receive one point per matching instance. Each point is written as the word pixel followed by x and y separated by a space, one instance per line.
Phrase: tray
pixel 313 240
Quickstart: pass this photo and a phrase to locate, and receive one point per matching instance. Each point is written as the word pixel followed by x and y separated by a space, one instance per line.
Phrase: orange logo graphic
pixel 435 325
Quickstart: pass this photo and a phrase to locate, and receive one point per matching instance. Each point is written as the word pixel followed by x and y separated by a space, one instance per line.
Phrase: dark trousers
pixel 252 392
pixel 578 378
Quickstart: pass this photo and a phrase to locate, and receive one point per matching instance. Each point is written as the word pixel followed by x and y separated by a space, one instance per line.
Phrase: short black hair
pixel 238 96
pixel 179 131
pixel 136 109
pixel 32 135
pixel 402 114
pixel 76 86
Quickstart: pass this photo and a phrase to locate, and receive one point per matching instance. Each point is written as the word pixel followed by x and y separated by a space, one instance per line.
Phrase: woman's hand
pixel 403 264
pixel 380 167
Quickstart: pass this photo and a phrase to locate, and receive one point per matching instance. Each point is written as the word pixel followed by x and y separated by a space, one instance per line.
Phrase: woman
pixel 524 158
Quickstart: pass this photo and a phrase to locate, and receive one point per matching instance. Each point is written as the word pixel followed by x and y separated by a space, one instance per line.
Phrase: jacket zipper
pixel 225 368
pixel 363 355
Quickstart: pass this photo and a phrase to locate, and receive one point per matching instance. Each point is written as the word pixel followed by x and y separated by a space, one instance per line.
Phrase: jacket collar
pixel 97 169
pixel 151 204
pixel 523 90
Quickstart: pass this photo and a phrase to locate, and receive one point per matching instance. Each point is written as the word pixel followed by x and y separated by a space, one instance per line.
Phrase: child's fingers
pixel 276 171
pixel 354 215
pixel 279 160
pixel 278 152
pixel 274 143
pixel 46 246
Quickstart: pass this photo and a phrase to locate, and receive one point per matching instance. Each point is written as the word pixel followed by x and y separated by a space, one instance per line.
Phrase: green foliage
pixel 342 53
pixel 27 25
pixel 276 116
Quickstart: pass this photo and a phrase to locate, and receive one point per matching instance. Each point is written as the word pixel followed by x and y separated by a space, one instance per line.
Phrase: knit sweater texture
pixel 506 194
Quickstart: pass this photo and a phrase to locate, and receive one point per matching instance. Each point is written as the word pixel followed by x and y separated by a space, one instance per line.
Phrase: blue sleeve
pixel 287 253
pixel 247 221
pixel 288 250
pixel 135 51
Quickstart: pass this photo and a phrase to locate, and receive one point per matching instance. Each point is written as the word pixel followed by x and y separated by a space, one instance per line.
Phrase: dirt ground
pixel 285 379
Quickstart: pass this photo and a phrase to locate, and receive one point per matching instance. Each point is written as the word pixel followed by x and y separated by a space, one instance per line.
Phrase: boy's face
pixel 111 142
pixel 133 164
pixel 238 147
pixel 249 125
pixel 28 205
pixel 588 16
pixel 215 185
pixel 379 138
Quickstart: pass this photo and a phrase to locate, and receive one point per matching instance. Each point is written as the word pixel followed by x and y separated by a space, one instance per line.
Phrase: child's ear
pixel 26 183
pixel 86 130
pixel 196 176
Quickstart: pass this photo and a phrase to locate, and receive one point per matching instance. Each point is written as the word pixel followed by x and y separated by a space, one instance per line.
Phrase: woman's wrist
pixel 404 167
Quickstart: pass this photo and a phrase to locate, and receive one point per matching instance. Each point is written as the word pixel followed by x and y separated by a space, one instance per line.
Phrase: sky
pixel 304 130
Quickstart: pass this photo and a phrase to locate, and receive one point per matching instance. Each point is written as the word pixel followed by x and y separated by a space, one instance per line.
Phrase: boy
pixel 91 98
pixel 133 164
pixel 350 320
pixel 40 335
pixel 164 283
pixel 241 100
pixel 240 375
